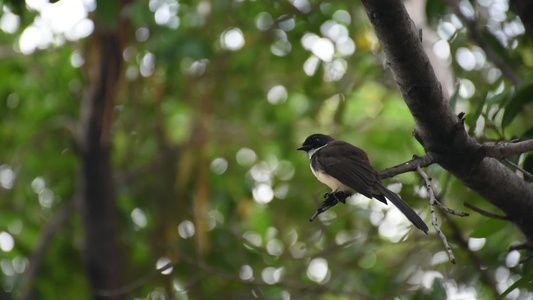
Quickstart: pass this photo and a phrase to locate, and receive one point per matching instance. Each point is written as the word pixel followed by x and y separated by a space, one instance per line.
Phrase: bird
pixel 346 169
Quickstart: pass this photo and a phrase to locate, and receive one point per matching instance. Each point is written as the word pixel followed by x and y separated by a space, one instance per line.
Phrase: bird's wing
pixel 353 170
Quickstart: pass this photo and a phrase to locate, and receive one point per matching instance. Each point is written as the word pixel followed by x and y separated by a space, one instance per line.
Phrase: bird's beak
pixel 304 148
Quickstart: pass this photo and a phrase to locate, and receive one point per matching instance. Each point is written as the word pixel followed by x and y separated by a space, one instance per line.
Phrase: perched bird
pixel 346 170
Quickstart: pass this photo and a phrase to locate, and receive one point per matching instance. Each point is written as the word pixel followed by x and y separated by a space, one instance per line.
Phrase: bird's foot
pixel 339 195
pixel 332 198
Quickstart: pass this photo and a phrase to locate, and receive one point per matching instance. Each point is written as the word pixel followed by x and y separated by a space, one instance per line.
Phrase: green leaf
pixel 488 228
pixel 455 96
pixel 522 96
pixel 525 281
pixel 473 119
pixel 496 46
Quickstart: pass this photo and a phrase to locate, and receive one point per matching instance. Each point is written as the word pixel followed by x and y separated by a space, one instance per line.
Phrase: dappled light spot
pixel 446 30
pixel 342 17
pixel 7 267
pixel 165 12
pixel 465 58
pixel 302 5
pixel 7 177
pixel 512 259
pixel 246 273
pixel 277 94
pixel 284 170
pixel 439 258
pixel 6 241
pixel 334 71
pixel 56 21
pixel 275 247
pixel 139 218
pixel 441 48
pixel 333 30
pixel 186 229
pixel 219 165
pixel 311 65
pixel 286 23
pixel 466 88
pixel 147 64
pixel 38 185
pixel 246 157
pixel 501 274
pixel 281 191
pixel 178 286
pixel 281 47
pixel 323 48
pixel 9 22
pixel 142 34
pixel 389 230
pixel 263 193
pixel 263 21
pixel 20 264
pixel 261 172
pixel 345 46
pixel 13 100
pixel 271 275
pixel 298 250
pixel 163 261
pixel 475 244
pixel 318 270
pixel 197 68
pixel 232 39
pixel 15 227
pixel 253 238
pixel 76 59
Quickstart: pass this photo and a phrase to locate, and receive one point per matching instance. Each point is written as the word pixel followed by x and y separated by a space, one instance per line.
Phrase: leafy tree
pixel 149 148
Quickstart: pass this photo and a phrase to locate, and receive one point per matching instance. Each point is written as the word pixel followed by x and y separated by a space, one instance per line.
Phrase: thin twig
pixel 526 173
pixel 417 161
pixel 432 200
pixel 520 247
pixel 523 260
pixel 136 284
pixel 451 211
pixel 504 149
pixel 37 256
pixel 486 213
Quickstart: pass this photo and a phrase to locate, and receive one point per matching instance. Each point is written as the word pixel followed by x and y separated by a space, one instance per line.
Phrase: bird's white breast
pixel 330 181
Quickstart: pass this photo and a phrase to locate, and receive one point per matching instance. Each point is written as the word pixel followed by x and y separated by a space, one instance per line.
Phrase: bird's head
pixel 315 141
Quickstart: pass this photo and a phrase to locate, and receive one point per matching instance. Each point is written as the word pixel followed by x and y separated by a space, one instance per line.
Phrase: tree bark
pixel 98 202
pixel 438 129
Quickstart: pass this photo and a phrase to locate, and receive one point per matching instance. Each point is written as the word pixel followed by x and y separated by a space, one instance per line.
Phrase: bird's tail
pixel 401 205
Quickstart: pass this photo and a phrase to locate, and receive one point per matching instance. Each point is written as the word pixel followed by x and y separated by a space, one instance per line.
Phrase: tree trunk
pixel 98 201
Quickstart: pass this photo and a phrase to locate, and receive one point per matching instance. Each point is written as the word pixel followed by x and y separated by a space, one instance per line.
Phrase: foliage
pixel 207 175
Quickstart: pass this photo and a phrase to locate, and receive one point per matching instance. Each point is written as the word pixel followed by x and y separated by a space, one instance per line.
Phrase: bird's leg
pixel 325 205
pixel 339 195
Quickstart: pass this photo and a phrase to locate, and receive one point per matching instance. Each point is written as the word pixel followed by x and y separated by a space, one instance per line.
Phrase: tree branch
pixel 438 129
pixel 502 150
pixel 37 255
pixel 412 165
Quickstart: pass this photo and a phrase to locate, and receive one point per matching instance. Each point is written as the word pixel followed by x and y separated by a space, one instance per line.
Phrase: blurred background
pixel 204 104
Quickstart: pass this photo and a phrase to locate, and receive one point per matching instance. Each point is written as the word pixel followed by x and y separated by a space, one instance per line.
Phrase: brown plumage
pixel 346 168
